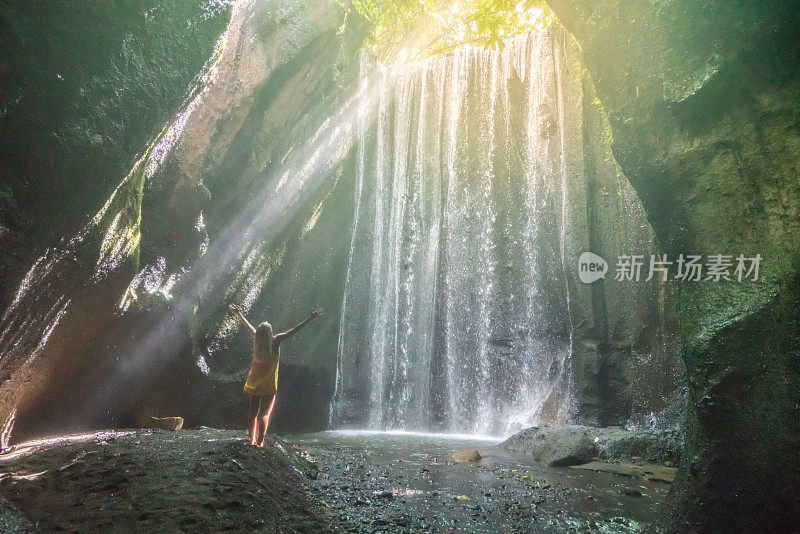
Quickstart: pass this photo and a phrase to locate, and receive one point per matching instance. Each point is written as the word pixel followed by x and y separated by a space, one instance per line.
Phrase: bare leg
pixel 253 431
pixel 255 413
pixel 265 421
pixel 259 439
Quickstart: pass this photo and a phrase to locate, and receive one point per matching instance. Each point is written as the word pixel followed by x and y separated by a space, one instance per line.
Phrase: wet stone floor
pixel 371 482
pixel 209 480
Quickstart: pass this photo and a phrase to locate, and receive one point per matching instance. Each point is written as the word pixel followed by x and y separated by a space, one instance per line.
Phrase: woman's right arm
pixel 238 312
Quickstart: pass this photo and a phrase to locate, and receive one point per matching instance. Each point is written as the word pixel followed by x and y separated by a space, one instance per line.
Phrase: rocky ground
pixel 156 481
pixel 395 483
pixel 211 480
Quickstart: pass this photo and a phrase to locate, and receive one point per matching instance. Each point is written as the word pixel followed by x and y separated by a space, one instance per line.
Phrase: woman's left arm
pixel 283 336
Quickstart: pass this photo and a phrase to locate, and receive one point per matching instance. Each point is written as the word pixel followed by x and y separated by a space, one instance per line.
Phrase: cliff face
pixel 84 89
pixel 629 371
pixel 703 102
pixel 111 319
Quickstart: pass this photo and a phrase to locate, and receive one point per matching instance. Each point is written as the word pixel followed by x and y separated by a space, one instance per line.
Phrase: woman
pixel 262 381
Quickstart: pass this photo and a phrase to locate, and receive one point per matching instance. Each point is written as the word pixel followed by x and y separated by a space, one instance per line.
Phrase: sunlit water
pixel 456 313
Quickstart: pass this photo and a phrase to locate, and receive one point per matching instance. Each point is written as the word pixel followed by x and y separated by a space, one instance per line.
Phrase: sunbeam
pixel 306 167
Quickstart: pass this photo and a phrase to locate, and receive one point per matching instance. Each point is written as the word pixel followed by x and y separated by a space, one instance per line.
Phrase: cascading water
pixel 456 313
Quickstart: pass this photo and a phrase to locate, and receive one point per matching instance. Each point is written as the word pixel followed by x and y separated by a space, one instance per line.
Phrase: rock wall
pixel 702 101
pixel 628 371
pixel 85 87
pixel 107 328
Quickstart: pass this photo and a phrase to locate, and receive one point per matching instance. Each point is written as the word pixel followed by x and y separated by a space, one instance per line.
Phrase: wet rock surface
pixel 98 296
pixel 73 122
pixel 12 520
pixel 561 446
pixel 156 480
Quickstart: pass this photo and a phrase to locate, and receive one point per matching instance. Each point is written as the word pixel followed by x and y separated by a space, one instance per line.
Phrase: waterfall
pixel 456 312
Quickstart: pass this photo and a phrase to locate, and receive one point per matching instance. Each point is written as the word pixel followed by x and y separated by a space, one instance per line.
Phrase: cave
pixel 554 246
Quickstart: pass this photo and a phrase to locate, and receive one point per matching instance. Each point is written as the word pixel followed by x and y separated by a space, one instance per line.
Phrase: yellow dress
pixel 262 379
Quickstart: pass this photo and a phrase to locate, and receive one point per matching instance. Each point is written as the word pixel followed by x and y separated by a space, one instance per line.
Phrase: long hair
pixel 263 342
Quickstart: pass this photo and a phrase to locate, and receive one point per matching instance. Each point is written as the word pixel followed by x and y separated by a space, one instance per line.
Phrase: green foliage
pixel 404 30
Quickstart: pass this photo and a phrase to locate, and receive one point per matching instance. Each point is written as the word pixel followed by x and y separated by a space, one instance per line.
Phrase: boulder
pixel 554 446
pixel 466 455
pixel 576 444
pixel 167 423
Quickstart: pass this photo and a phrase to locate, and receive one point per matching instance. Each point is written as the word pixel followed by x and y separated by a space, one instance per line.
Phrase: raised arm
pixel 283 336
pixel 236 310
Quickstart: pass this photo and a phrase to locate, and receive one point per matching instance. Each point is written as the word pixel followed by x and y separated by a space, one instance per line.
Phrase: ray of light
pixel 261 221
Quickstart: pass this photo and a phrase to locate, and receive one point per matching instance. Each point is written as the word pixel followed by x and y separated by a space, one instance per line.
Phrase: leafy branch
pixel 403 30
